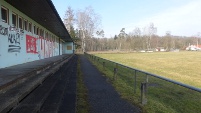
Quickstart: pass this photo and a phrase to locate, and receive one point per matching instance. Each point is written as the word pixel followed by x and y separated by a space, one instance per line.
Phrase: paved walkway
pixel 102 96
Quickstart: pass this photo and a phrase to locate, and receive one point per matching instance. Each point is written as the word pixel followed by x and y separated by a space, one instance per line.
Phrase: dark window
pixel 20 23
pixel 46 35
pixel 37 31
pixel 41 32
pixel 49 36
pixel 34 29
pixel 14 19
pixel 25 25
pixel 52 38
pixel 30 27
pixel 4 14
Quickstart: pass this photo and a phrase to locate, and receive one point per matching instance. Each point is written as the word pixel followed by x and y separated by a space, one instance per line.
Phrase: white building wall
pixel 20 46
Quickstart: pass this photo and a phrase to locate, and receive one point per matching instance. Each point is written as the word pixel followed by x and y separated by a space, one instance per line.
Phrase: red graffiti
pixel 31 44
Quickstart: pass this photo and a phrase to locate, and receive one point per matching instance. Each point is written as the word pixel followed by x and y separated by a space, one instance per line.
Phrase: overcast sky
pixel 181 17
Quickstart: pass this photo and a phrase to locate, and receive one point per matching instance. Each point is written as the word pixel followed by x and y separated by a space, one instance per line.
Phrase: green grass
pixel 163 97
pixel 180 66
pixel 82 105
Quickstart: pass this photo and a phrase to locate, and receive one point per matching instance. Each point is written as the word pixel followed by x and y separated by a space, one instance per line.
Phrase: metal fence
pixel 148 89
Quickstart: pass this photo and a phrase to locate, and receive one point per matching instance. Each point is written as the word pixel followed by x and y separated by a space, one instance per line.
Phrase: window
pixel 30 27
pixel 69 47
pixel 14 20
pixel 34 29
pixel 37 31
pixel 25 25
pixel 4 14
pixel 20 23
pixel 52 38
pixel 49 37
pixel 41 32
pixel 46 35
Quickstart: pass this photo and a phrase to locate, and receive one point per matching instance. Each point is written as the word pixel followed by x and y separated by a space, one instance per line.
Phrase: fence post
pixel 147 78
pixel 115 73
pixel 116 65
pixel 135 81
pixel 143 93
pixel 103 65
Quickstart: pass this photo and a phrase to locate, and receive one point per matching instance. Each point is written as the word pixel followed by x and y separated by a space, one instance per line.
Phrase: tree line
pixel 88 35
pixel 132 42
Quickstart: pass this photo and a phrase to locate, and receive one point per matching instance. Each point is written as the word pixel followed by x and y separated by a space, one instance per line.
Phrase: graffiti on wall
pixel 14 36
pixel 3 30
pixel 44 47
pixel 14 42
pixel 31 44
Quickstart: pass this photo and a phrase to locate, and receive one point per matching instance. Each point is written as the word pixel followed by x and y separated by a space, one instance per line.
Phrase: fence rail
pixel 151 74
pixel 147 80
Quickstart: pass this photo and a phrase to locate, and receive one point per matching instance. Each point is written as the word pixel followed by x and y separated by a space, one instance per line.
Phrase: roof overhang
pixel 44 13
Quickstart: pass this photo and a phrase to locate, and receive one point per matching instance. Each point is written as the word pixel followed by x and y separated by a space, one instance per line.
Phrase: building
pixel 161 49
pixel 193 48
pixel 31 30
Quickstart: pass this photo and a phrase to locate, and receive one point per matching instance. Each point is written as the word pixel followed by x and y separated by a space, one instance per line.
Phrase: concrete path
pixel 102 96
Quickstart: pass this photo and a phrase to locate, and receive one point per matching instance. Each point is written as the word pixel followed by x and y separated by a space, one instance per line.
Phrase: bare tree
pixel 149 32
pixel 137 31
pixel 100 33
pixel 137 39
pixel 167 40
pixel 87 21
pixel 69 18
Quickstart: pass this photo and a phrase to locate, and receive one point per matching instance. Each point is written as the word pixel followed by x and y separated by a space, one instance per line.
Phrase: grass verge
pixel 82 97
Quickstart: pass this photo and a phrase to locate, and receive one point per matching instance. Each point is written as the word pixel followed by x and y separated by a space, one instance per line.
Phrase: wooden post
pixel 103 65
pixel 135 81
pixel 115 74
pixel 143 93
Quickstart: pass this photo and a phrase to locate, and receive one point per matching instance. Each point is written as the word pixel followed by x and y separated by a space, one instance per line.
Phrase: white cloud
pixel 184 20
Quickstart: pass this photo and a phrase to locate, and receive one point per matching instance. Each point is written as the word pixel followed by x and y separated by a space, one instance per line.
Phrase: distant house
pixel 161 49
pixel 193 48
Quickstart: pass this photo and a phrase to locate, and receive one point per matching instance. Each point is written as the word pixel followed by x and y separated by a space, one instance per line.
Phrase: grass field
pixel 163 97
pixel 180 66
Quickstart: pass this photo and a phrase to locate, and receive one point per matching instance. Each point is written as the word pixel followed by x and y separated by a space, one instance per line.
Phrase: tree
pixel 69 18
pixel 122 33
pixel 121 36
pixel 72 32
pixel 149 32
pixel 88 22
pixel 137 40
pixel 100 33
pixel 137 31
pixel 167 40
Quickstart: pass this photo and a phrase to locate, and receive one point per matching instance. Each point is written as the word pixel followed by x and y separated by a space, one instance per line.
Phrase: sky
pixel 180 17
